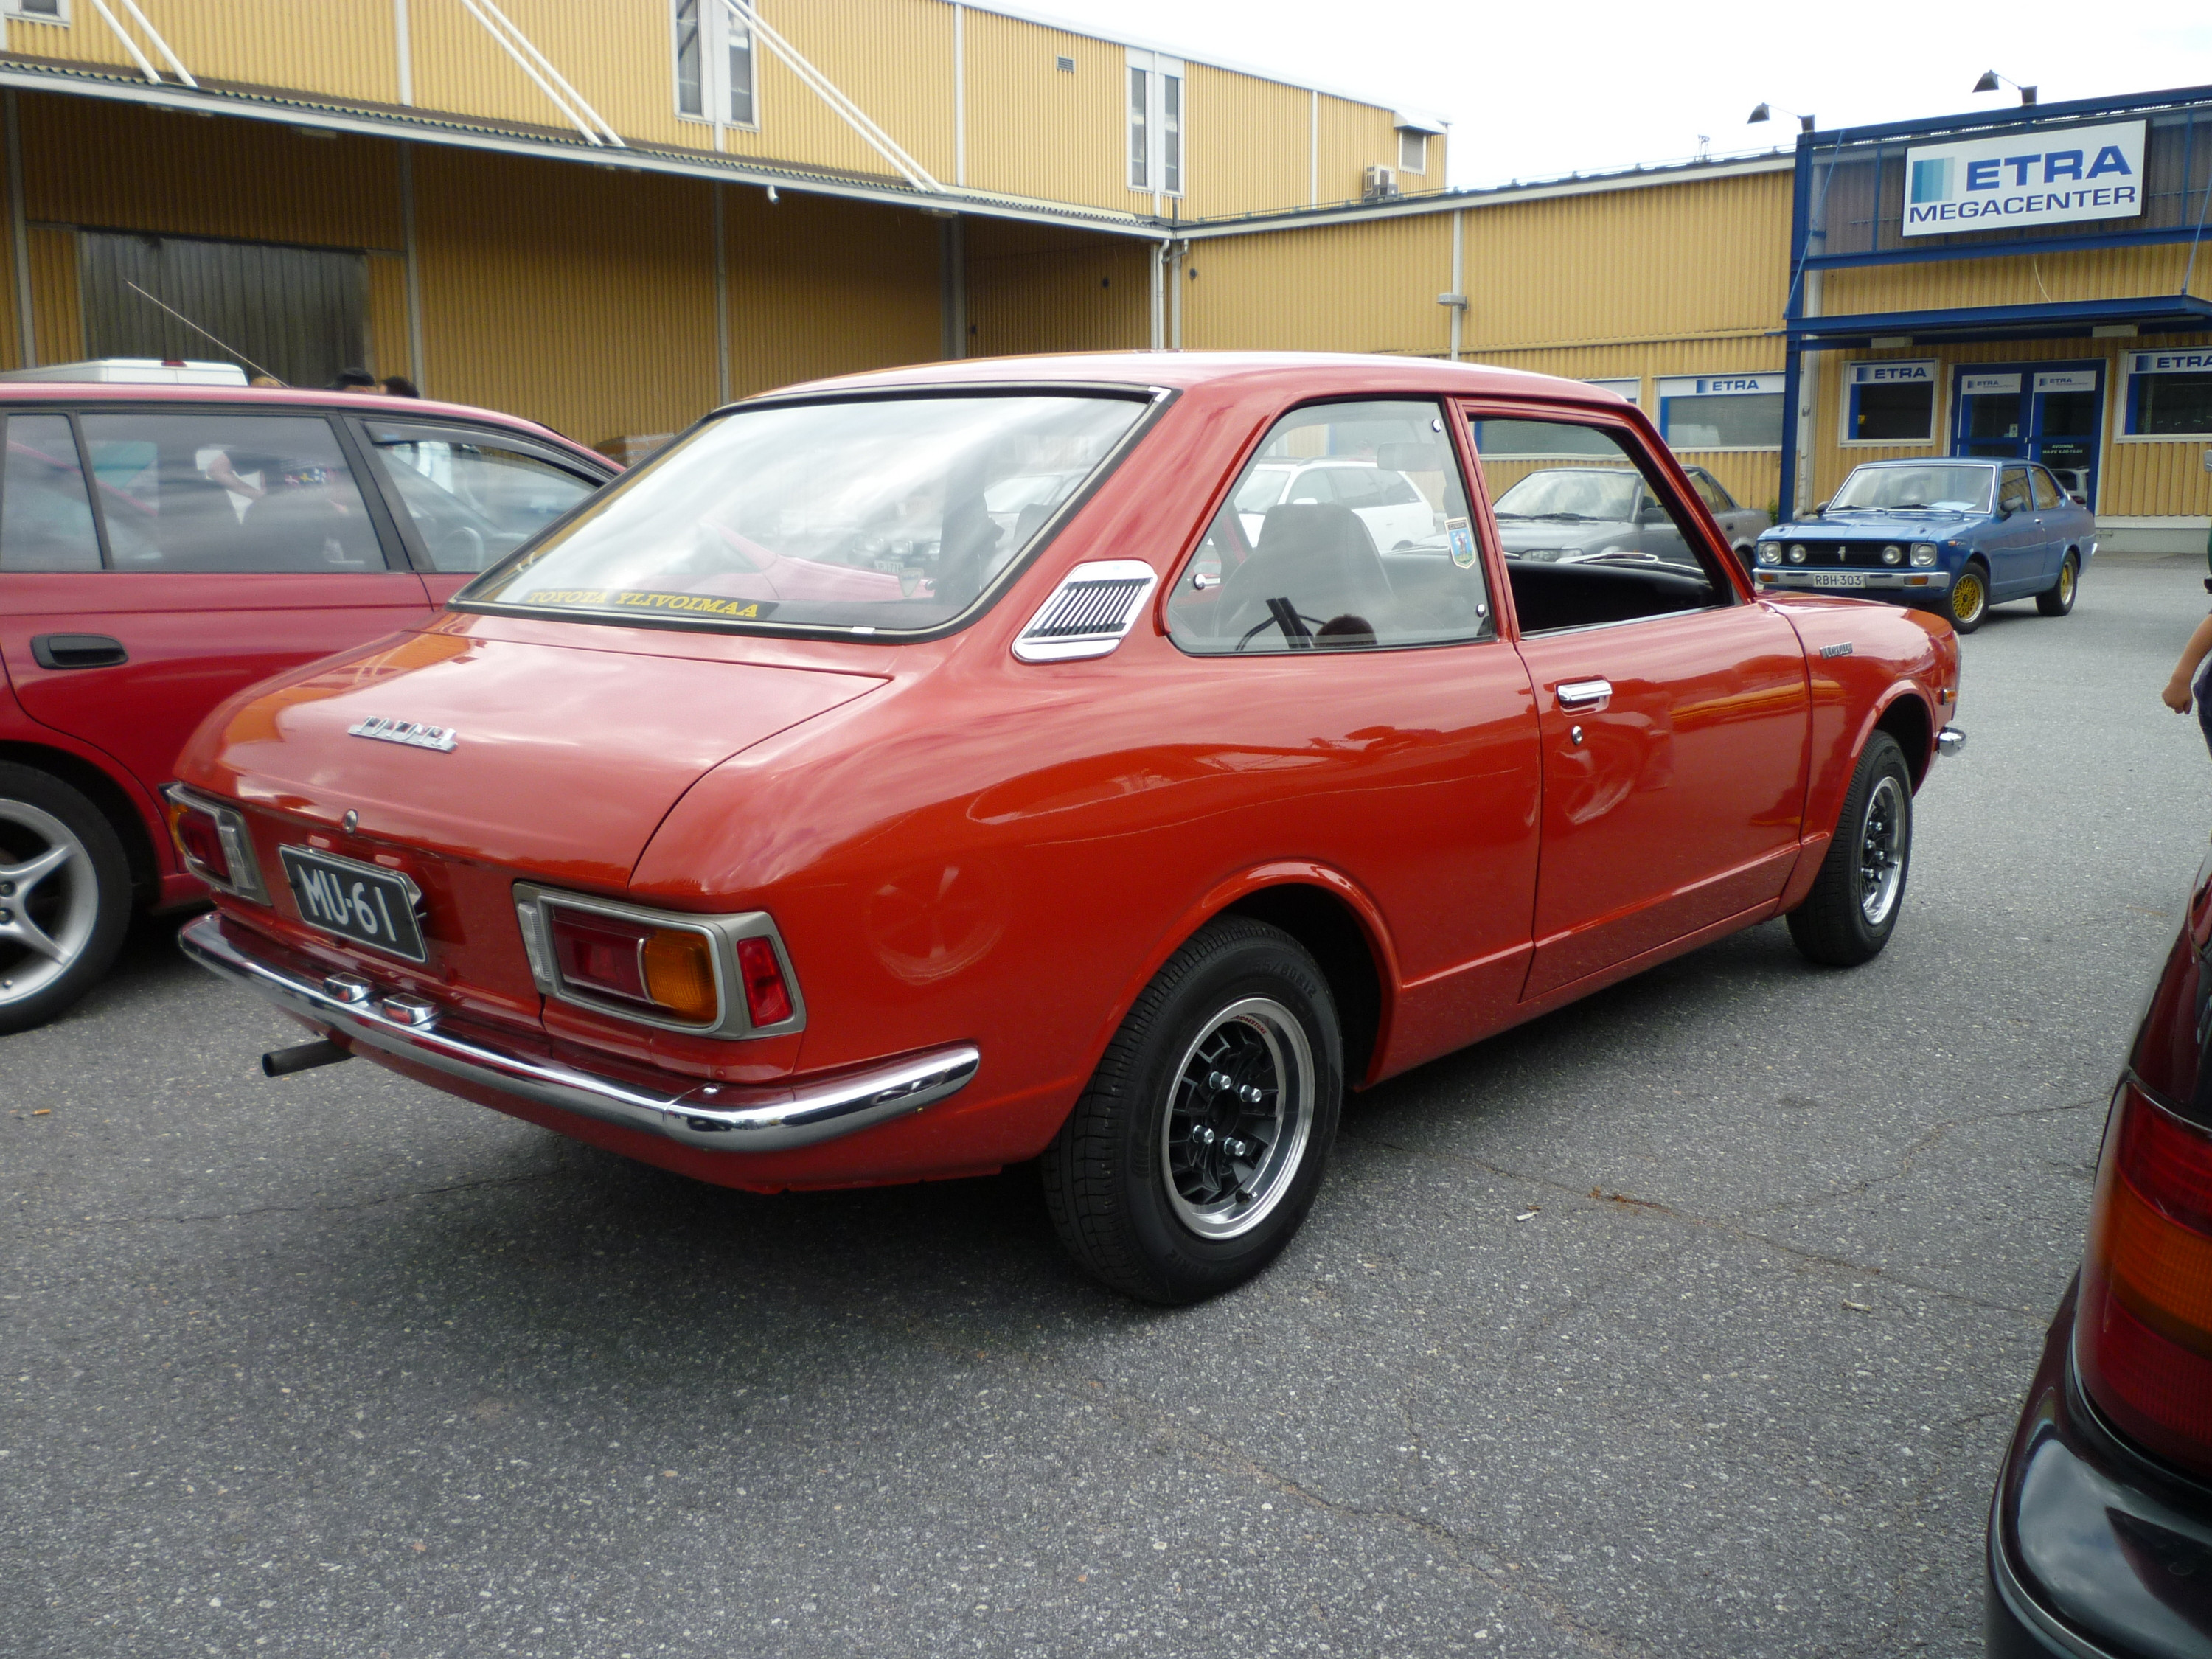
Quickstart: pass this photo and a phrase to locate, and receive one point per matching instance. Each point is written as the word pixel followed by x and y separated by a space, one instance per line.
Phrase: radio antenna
pixel 197 329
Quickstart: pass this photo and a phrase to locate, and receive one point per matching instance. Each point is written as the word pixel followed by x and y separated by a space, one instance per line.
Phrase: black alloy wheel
pixel 2058 598
pixel 1853 908
pixel 1197 1146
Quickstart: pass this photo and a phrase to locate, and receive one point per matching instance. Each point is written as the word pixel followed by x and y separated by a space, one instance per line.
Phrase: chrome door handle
pixel 1583 694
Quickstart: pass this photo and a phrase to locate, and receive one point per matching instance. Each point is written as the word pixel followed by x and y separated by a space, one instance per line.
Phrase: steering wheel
pixel 1275 620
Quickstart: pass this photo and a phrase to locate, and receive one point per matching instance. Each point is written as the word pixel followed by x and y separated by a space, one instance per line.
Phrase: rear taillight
pixel 768 998
pixel 215 845
pixel 199 838
pixel 2143 1333
pixel 711 976
pixel 669 970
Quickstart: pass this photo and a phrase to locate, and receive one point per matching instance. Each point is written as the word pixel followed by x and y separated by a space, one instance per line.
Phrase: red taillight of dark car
pixel 2143 1335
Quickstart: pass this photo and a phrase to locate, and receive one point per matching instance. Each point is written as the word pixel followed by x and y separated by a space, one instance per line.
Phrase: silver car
pixel 1572 514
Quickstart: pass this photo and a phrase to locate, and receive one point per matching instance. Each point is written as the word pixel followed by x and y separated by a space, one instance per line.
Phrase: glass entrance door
pixel 2048 412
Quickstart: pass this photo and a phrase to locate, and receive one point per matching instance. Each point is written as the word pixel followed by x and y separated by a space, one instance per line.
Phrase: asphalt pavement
pixel 1691 1320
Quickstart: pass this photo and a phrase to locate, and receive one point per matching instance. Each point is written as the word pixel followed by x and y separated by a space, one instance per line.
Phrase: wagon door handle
pixel 78 651
pixel 1583 694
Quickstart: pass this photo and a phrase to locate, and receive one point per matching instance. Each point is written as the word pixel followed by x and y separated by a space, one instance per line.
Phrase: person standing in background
pixel 399 386
pixel 2191 674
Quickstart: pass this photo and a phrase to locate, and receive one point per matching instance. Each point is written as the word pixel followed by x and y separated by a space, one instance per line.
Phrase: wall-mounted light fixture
pixel 1989 83
pixel 1763 113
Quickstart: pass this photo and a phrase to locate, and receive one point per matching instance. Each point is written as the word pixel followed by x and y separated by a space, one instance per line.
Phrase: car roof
pixel 86 393
pixel 1310 373
pixel 1940 460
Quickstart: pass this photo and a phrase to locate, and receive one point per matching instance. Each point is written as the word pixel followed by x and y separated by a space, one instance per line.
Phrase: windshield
pixel 1942 488
pixel 891 513
pixel 1573 493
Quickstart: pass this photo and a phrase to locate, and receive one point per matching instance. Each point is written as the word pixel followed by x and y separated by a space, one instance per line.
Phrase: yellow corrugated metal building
pixel 610 214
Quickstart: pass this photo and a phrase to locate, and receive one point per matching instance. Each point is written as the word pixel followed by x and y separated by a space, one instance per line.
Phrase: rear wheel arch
pixel 1335 935
pixel 115 805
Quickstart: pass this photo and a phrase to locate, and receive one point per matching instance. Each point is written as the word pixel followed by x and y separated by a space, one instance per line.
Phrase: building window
pixel 1412 151
pixel 1721 411
pixel 2169 394
pixel 1631 389
pixel 1890 402
pixel 714 78
pixel 1156 123
pixel 36 11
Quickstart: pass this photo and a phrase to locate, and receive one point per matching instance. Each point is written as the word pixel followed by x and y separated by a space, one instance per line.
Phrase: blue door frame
pixel 2053 413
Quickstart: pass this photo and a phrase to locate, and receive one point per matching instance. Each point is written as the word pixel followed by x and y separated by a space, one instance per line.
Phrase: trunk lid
pixel 563 761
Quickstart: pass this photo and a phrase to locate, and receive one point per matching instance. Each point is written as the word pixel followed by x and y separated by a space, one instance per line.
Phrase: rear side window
pixel 1376 551
pixel 45 512
pixel 473 496
pixel 2046 492
pixel 216 492
pixel 2013 495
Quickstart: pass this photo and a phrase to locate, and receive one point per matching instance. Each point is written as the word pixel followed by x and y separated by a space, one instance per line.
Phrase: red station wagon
pixel 162 546
pixel 914 775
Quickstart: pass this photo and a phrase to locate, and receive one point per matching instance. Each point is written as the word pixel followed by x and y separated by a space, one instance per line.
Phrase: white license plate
pixel 1838 579
pixel 357 902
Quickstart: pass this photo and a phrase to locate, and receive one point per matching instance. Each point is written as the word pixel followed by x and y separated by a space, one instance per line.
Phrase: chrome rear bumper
pixel 717 1117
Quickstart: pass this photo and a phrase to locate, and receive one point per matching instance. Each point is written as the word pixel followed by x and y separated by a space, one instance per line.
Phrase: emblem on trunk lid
pixel 415 736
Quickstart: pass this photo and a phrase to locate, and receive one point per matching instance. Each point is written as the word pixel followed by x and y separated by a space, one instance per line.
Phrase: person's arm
pixel 2177 692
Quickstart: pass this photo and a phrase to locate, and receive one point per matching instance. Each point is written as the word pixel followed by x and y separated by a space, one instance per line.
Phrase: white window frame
pixel 717 33
pixel 1419 164
pixel 1938 414
pixel 1685 388
pixel 13 12
pixel 2121 420
pixel 1165 168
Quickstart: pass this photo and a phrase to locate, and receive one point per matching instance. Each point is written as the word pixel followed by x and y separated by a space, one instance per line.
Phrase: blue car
pixel 1952 536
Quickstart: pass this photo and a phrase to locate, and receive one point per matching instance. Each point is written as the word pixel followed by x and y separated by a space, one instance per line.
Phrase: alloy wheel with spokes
pixel 1882 853
pixel 1970 599
pixel 1236 1126
pixel 1192 1157
pixel 64 896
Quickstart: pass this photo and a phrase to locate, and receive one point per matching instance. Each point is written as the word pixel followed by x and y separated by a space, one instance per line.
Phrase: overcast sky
pixel 1535 89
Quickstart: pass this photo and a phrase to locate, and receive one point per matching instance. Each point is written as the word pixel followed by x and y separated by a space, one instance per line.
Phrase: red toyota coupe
pixel 162 546
pixel 918 774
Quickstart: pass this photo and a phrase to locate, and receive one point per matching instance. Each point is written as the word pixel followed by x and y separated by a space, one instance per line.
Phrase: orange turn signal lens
pixel 679 973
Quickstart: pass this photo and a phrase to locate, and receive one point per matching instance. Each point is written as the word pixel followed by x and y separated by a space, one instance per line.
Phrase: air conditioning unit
pixel 1382 184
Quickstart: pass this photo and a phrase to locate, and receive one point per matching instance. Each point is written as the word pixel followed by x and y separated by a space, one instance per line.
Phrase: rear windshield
pixel 889 514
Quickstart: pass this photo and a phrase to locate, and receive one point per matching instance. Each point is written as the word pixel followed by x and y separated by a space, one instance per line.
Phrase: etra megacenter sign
pixel 2057 177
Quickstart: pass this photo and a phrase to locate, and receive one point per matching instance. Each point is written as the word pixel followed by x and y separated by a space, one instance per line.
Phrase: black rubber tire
pixel 1831 927
pixel 1104 1179
pixel 1979 614
pixel 110 874
pixel 2058 598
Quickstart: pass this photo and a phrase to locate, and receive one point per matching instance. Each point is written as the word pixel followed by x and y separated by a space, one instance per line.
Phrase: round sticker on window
pixel 1460 534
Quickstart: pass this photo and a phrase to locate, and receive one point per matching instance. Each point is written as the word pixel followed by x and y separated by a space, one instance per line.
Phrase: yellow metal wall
pixel 339 48
pixel 1038 288
pixel 821 287
pixel 57 317
pixel 1036 130
pixel 388 352
pixel 1368 287
pixel 1247 143
pixel 579 297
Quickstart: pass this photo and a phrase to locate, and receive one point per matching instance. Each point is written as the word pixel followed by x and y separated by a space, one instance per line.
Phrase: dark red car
pixel 164 546
pixel 2100 1534
pixel 915 775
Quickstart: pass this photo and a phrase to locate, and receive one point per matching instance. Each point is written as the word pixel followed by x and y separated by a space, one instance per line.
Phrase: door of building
pixel 2048 412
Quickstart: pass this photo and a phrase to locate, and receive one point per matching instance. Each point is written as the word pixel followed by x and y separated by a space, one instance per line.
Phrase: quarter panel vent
pixel 1089 613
